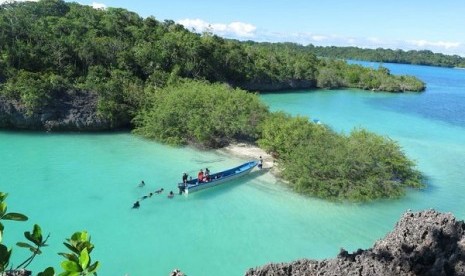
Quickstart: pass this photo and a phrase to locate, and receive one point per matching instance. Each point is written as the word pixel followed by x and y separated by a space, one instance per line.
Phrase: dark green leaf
pixel 72 248
pixel 28 236
pixel 25 245
pixel 78 236
pixel 4 256
pixel 37 234
pixel 93 268
pixel 49 271
pixel 70 257
pixel 15 216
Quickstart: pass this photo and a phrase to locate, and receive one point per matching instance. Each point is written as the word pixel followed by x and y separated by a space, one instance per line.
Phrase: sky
pixel 434 25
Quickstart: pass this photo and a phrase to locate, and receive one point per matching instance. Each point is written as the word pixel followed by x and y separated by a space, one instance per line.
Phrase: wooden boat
pixel 216 179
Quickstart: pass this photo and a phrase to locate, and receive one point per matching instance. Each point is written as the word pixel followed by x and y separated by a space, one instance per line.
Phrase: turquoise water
pixel 70 182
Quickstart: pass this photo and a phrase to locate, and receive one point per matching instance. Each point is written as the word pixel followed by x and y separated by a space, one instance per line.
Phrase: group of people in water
pixel 202 177
pixel 136 204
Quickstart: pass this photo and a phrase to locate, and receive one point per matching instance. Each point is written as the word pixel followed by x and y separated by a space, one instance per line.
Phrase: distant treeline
pixel 423 57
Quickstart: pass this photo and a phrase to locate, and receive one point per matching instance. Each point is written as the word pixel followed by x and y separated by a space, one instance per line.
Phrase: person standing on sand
pixel 260 163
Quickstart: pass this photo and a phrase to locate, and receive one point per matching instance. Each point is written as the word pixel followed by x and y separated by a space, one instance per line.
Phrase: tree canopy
pixel 201 113
pixel 361 166
pixel 52 45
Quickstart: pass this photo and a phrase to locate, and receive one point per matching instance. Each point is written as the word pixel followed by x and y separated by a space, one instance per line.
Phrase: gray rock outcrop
pixel 269 85
pixel 72 111
pixel 424 243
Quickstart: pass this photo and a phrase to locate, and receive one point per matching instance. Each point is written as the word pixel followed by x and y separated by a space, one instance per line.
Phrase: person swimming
pixel 142 183
pixel 171 194
pixel 159 191
pixel 136 205
pixel 146 196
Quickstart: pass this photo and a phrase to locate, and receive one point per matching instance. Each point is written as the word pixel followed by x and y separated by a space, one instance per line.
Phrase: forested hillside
pixel 51 49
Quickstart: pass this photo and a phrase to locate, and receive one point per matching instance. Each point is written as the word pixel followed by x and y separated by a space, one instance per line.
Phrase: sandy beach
pixel 248 151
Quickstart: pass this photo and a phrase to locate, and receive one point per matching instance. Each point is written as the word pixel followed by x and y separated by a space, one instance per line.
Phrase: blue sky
pixel 408 24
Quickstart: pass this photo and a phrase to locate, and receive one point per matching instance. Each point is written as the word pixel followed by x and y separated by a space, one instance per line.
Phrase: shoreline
pixel 249 151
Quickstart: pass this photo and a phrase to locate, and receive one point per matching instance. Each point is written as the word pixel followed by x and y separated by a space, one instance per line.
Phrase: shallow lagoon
pixel 70 182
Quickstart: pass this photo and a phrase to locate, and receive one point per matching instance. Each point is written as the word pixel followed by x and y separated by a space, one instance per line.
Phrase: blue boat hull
pixel 217 178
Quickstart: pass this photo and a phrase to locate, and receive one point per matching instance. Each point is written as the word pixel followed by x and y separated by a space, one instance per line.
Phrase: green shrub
pixel 197 112
pixel 319 162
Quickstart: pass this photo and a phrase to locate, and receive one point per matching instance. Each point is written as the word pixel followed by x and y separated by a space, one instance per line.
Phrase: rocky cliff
pixel 269 85
pixel 73 110
pixel 424 243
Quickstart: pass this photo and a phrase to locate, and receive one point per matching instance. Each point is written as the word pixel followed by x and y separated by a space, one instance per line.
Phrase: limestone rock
pixel 72 111
pixel 423 243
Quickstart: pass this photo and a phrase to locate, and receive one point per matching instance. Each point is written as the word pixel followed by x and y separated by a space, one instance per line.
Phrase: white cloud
pixel 197 24
pixel 231 30
pixel 242 29
pixel 439 44
pixel 319 37
pixel 98 6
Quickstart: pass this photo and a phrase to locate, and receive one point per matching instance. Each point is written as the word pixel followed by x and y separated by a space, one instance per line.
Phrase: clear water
pixel 70 182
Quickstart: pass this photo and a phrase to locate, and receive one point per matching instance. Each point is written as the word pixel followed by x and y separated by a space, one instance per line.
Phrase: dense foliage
pixel 51 46
pixel 200 113
pixel 337 73
pixel 423 57
pixel 333 73
pixel 315 160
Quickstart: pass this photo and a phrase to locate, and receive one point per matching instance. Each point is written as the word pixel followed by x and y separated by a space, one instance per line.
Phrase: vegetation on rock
pixel 315 160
